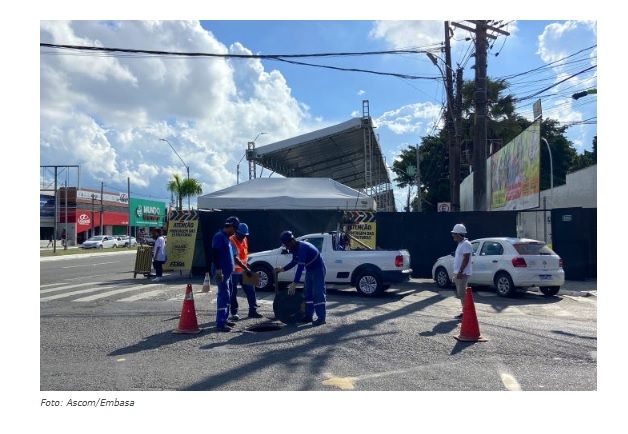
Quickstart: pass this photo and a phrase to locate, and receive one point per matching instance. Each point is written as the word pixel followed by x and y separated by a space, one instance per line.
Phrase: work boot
pixel 230 323
pixel 319 321
pixel 255 314
pixel 305 320
pixel 235 317
pixel 223 328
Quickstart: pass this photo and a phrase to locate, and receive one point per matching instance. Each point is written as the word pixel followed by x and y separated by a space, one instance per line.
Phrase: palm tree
pixel 184 188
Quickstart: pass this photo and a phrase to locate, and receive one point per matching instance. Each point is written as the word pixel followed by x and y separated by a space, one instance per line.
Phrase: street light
pixel 187 168
pixel 238 166
pixel 551 171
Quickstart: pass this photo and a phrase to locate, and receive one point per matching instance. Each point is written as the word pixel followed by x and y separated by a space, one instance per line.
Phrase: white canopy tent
pixel 288 193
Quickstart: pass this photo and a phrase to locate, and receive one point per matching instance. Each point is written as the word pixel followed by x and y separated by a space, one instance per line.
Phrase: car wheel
pixel 100 247
pixel 442 278
pixel 504 285
pixel 549 290
pixel 266 277
pixel 369 284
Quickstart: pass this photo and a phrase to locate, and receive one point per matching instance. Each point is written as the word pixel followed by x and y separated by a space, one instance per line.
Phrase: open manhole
pixel 265 327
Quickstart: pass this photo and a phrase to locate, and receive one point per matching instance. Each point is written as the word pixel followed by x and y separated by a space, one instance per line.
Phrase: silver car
pixel 100 242
pixel 508 265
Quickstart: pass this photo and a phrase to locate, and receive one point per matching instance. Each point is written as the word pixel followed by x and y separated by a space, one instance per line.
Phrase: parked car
pixel 149 241
pixel 100 241
pixel 370 271
pixel 126 241
pixel 509 265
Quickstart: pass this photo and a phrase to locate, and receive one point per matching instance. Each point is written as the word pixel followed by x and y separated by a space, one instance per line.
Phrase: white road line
pixel 109 293
pixel 144 295
pixel 61 288
pixel 51 284
pixel 70 294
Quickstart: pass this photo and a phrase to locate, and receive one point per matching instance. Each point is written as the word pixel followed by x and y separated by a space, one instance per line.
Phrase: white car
pixel 100 241
pixel 508 265
pixel 126 241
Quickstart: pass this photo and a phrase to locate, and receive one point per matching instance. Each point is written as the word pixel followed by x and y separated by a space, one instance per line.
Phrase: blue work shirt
pixel 305 256
pixel 222 242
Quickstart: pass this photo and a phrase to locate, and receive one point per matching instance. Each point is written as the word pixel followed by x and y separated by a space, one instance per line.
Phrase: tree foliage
pixel 503 125
pixel 183 188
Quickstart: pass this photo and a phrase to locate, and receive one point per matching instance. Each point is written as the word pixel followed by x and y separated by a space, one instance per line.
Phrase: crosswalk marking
pixel 61 288
pixel 109 293
pixel 144 295
pixel 70 294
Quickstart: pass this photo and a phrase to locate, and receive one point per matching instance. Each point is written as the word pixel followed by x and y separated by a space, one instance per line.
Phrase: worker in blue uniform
pixel 306 256
pixel 222 255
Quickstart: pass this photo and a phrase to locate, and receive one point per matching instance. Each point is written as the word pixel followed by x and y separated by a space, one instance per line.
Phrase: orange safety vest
pixel 243 251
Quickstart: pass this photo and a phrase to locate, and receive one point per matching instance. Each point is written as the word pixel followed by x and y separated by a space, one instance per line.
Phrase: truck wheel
pixel 549 290
pixel 266 278
pixel 369 284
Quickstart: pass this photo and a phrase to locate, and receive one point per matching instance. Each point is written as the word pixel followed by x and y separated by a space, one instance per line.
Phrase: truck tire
pixel 369 283
pixel 266 277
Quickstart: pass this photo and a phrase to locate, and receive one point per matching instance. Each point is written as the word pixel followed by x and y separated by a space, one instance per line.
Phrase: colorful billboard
pixel 515 172
pixel 148 213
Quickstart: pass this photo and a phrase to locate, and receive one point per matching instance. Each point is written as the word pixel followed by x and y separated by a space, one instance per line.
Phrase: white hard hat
pixel 459 229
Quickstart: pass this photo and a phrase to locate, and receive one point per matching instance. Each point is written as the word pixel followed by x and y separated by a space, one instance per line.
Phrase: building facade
pixel 82 213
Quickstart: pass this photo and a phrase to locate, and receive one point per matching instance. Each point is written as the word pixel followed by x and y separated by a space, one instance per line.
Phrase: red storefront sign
pixel 83 219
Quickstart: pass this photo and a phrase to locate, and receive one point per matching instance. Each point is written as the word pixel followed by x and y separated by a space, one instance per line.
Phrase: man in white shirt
pixel 462 262
pixel 159 255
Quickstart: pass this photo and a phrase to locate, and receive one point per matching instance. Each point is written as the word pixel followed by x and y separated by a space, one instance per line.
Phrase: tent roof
pixel 348 153
pixel 288 193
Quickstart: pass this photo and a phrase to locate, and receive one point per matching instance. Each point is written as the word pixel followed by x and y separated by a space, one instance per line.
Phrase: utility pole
pixel 102 209
pixel 458 128
pixel 418 181
pixel 479 137
pixel 452 133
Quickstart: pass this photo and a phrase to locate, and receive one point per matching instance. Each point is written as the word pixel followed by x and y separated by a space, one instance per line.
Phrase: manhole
pixel 266 327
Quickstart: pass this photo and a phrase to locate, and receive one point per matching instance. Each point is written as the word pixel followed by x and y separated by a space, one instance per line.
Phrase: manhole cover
pixel 268 327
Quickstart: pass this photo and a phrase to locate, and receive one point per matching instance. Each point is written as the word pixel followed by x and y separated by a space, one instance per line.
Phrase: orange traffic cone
pixel 206 287
pixel 470 329
pixel 187 321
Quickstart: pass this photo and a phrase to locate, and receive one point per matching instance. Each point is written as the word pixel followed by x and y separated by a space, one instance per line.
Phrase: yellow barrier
pixel 143 261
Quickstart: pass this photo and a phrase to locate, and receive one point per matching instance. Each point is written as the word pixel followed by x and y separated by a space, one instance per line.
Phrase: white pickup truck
pixel 370 271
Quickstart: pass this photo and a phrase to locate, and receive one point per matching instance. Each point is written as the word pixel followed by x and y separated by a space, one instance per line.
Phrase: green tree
pixel 503 125
pixel 183 188
pixel 588 158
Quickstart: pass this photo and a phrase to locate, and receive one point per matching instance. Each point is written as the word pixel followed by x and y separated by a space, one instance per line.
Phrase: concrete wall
pixel 579 191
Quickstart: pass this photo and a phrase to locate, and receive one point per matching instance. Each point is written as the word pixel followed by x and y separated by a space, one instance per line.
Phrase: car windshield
pixel 533 248
pixel 96 238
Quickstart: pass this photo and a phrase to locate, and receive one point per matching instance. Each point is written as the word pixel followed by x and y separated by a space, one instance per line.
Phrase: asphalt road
pixel 102 329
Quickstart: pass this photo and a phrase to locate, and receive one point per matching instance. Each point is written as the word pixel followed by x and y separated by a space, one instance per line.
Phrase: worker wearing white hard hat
pixel 462 262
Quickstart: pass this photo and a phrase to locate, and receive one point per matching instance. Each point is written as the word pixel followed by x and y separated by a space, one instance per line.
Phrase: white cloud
pixel 107 112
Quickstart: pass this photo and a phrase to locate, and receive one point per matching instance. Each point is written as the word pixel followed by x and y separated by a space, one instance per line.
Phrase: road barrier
pixel 143 261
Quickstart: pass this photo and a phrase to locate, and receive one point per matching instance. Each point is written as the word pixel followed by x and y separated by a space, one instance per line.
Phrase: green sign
pixel 147 213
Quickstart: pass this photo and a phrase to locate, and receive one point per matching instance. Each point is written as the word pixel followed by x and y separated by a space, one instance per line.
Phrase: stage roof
pixel 348 153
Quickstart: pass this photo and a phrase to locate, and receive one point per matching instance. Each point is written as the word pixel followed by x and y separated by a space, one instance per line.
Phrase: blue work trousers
pixel 315 293
pixel 223 300
pixel 249 291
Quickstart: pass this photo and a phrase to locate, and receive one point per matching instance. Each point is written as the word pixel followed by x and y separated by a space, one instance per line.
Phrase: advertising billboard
pixel 515 172
pixel 147 213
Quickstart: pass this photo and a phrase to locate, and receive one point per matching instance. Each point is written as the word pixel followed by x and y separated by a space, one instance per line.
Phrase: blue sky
pixel 107 113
